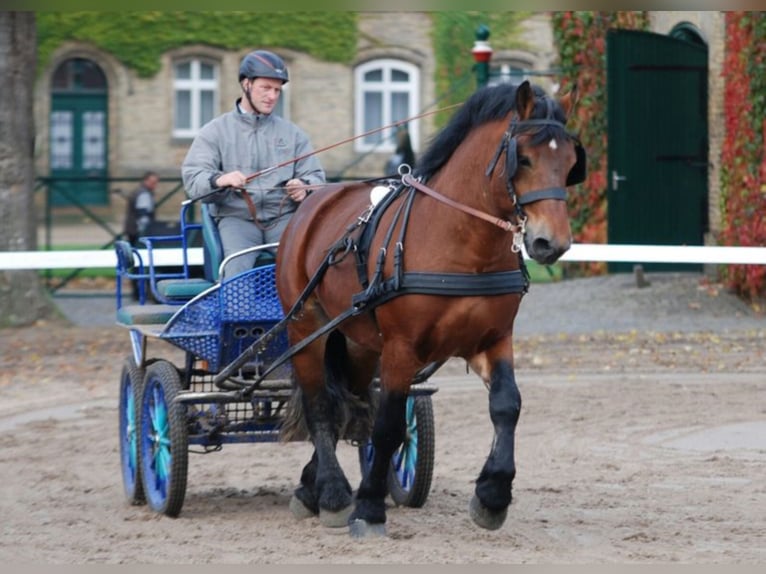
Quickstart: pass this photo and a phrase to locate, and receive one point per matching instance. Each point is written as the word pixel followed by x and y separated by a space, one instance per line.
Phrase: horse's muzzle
pixel 546 251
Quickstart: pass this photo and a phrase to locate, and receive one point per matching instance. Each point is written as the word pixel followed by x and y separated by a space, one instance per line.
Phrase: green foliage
pixel 138 39
pixel 544 273
pixel 453 38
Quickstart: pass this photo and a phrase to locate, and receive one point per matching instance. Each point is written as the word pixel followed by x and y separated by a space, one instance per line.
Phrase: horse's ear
pixel 569 100
pixel 525 100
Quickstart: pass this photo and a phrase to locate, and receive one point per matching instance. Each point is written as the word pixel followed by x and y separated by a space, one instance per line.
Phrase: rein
pixel 503 224
pixel 347 140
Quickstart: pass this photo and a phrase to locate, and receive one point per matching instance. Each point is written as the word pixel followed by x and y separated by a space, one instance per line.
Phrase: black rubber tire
pixel 410 485
pixel 164 444
pixel 131 380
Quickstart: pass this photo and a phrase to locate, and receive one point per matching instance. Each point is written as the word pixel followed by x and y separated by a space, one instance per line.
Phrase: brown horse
pixel 431 271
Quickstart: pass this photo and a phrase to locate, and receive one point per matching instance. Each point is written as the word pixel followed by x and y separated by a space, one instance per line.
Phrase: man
pixel 139 214
pixel 243 142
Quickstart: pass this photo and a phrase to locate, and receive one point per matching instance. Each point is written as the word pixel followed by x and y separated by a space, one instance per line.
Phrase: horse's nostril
pixel 541 245
pixel 545 251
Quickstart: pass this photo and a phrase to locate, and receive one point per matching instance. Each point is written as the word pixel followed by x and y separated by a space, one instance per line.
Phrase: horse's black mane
pixel 485 105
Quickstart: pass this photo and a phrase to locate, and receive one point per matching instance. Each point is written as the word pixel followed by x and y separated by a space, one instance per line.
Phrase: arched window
pixel 512 66
pixel 509 73
pixel 195 95
pixel 78 75
pixel 687 32
pixel 386 91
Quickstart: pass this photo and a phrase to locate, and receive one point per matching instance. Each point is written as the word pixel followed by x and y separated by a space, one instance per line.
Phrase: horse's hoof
pixel 484 517
pixel 359 528
pixel 337 519
pixel 300 510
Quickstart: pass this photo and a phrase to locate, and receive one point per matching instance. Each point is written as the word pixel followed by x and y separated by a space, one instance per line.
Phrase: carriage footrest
pixel 145 314
pixel 191 397
pixel 183 289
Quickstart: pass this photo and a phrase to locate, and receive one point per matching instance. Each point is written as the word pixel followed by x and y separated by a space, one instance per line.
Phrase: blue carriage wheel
pixel 412 465
pixel 130 394
pixel 164 440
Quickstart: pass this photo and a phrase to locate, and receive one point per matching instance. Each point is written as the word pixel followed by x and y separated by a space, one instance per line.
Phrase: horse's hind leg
pixel 324 488
pixel 304 503
pixel 489 505
pixel 369 516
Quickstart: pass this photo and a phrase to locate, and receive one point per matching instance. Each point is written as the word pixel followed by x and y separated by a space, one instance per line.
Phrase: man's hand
pixel 296 189
pixel 231 179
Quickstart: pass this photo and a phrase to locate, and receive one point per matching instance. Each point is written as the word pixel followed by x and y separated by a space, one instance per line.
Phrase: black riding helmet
pixel 263 64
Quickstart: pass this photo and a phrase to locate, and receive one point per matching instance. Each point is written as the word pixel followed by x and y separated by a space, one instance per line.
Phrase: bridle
pixel 509 146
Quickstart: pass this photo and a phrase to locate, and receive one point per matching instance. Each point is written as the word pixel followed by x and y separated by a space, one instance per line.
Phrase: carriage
pixel 167 410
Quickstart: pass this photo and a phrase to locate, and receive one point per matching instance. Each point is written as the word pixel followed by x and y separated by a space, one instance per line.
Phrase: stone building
pixel 97 117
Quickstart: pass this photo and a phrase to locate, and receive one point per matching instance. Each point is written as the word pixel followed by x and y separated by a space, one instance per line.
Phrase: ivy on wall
pixel 743 161
pixel 138 39
pixel 453 36
pixel 580 38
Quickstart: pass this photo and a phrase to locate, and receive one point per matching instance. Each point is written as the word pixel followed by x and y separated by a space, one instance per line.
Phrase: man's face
pixel 264 93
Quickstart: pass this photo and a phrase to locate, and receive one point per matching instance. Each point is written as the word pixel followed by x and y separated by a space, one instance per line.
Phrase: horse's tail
pixel 352 414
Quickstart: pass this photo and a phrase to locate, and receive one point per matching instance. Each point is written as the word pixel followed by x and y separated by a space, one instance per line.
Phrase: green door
pixel 78 134
pixel 658 142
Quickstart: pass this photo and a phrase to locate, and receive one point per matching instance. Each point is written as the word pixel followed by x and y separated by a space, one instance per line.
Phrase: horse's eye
pixel 525 161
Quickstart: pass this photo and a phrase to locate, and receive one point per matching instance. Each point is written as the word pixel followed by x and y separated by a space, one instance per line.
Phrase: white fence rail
pixel 90 259
pixel 106 258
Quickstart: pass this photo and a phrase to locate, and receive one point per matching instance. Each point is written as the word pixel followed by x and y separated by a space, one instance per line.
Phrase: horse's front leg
pixel 369 515
pixel 489 505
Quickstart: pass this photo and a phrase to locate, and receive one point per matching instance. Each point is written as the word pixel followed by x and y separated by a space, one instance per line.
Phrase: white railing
pixel 106 258
pixel 90 259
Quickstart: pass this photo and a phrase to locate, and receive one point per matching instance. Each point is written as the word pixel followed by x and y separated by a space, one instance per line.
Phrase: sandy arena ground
pixel 633 447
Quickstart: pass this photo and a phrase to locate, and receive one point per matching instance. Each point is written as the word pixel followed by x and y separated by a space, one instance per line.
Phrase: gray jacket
pixel 249 143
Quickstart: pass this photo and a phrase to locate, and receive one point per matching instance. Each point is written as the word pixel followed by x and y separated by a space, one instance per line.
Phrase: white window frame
pixel 282 109
pixel 386 88
pixel 195 85
pixel 504 75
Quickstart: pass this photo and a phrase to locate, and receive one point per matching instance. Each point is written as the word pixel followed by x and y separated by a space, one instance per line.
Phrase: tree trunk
pixel 22 298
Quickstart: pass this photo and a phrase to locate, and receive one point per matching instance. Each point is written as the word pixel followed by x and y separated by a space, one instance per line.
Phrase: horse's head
pixel 541 160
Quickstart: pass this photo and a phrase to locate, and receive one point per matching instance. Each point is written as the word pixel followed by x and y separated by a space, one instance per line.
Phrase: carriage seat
pixel 213 248
pixel 185 289
pixel 145 314
pixel 211 241
pixel 182 289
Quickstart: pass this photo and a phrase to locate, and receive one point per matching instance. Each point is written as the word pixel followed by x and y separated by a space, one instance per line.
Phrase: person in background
pixel 403 153
pixel 242 142
pixel 140 214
